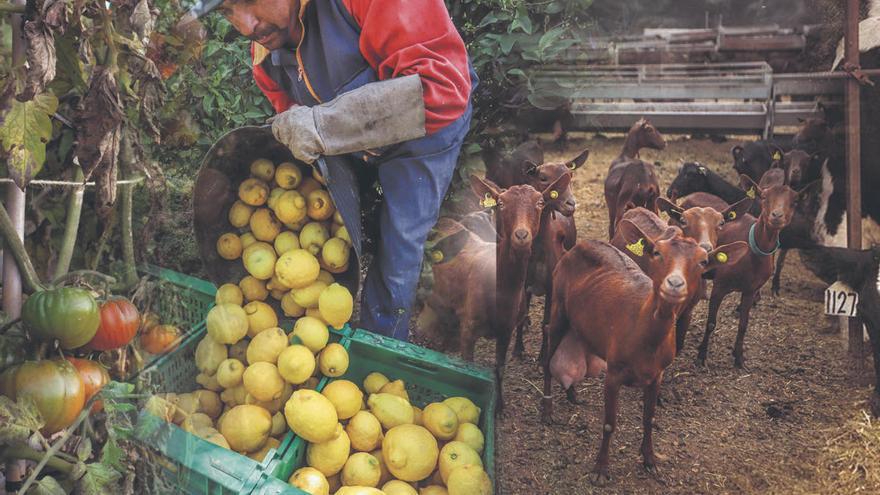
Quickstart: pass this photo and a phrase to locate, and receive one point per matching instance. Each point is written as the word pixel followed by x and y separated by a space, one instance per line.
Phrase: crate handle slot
pixel 418 365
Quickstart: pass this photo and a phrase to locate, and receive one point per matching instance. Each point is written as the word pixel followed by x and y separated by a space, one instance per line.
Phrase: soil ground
pixel 720 429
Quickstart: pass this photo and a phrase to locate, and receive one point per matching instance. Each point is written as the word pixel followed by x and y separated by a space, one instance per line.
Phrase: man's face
pixel 265 21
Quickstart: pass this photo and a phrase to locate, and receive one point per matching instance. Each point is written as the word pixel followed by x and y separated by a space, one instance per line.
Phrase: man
pixel 405 82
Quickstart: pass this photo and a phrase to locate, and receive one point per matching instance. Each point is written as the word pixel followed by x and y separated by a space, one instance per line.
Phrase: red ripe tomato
pixel 94 377
pixel 119 324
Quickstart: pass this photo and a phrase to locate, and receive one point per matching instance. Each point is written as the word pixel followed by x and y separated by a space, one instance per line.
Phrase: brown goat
pixel 624 317
pixel 642 134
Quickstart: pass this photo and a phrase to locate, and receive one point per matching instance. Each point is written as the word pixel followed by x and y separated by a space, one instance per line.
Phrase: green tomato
pixel 69 314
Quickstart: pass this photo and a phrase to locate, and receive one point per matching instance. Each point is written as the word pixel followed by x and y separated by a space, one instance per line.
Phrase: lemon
pixel 290 308
pixel 263 381
pixel 259 260
pixel 410 452
pixel 297 268
pixel 263 169
pixel 326 277
pixel 246 428
pixel 259 455
pixel 471 435
pixel 279 424
pixel 229 293
pixel 209 402
pixel 286 241
pixel 273 406
pixel 208 381
pixel 238 350
pixel 307 297
pixel 456 454
pixel 313 417
pixel 288 175
pixel 469 480
pixel 195 421
pixel 297 226
pixel 417 416
pixel 391 410
pixel 310 332
pixel 337 218
pixel 278 294
pixel 253 192
pixel 336 305
pixel 320 206
pixel 310 480
pixel 433 490
pixel 397 487
pixel 317 175
pixel 364 431
pixel 229 246
pixel 296 364
pixel 359 490
pixel 227 323
pixel 386 475
pixel 217 439
pixel 274 195
pixel 333 360
pixel 467 411
pixel 158 406
pixel 240 214
pixel 342 233
pixel 260 316
pixel 291 207
pixel 329 457
pixel 308 185
pixel 247 239
pixel 396 387
pixel 375 381
pixel 361 469
pixel 229 373
pixel 209 355
pixel 228 397
pixel 312 237
pixel 335 253
pixel 440 420
pixel 264 225
pixel 253 289
pixel 346 397
pixel 267 345
pixel 316 314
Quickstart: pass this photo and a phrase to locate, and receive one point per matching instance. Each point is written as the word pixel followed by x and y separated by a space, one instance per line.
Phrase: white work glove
pixel 374 115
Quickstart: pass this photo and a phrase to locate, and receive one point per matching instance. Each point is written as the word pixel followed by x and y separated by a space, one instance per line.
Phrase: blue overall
pixel 414 175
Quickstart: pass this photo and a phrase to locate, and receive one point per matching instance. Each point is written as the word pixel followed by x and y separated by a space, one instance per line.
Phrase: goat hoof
pixel 600 476
pixel 739 362
pixel 774 291
pixel 571 395
pixel 700 362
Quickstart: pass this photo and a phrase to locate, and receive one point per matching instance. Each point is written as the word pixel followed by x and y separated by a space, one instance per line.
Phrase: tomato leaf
pixel 24 134
pixel 46 485
pixel 99 479
pixel 18 420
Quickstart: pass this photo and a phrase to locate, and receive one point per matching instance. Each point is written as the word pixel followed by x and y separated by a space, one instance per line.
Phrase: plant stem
pixel 22 451
pixel 8 8
pixel 49 456
pixel 100 277
pixel 129 278
pixel 71 227
pixel 16 247
pixel 6 326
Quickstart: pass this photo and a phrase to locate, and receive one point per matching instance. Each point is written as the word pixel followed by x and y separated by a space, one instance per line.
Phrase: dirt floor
pixel 767 429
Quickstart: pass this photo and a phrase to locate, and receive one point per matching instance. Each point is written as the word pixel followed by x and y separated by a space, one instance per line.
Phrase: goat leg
pixel 553 333
pixel 571 395
pixel 649 399
pixel 467 340
pixel 777 273
pixel 711 319
pixel 612 389
pixel 746 302
pixel 874 335
pixel 524 321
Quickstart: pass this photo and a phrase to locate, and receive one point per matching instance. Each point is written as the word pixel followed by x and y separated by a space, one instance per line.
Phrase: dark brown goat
pixel 629 184
pixel 624 317
pixel 642 134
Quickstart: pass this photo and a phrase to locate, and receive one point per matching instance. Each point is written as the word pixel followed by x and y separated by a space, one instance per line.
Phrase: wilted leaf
pixel 142 20
pixel 18 420
pixel 54 14
pixel 24 134
pixel 40 59
pixel 69 62
pixel 46 485
pixel 151 94
pixel 97 124
pixel 105 178
pixel 99 479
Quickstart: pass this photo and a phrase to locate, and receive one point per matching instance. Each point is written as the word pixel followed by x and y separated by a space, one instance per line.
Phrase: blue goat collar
pixel 754 245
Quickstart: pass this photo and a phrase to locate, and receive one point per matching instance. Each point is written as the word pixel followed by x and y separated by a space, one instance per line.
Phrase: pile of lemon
pixel 385 445
pixel 291 241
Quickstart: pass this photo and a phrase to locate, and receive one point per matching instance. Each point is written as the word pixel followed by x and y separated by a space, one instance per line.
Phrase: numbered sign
pixel 841 300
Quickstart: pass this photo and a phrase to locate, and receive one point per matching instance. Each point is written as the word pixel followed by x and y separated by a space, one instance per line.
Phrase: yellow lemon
pixel 333 360
pixel 263 381
pixel 227 323
pixel 375 381
pixel 264 225
pixel 397 387
pixel 440 420
pixel 397 487
pixel 391 410
pixel 229 373
pixel 263 169
pixel 290 307
pixel 273 406
pixel 209 402
pixel 246 428
pixel 253 289
pixel 195 421
pixel 247 239
pixel 218 439
pixel 469 480
pixel 267 345
pixel 296 364
pixel 272 202
pixel 310 480
pixel 342 233
pixel 310 332
pixel 308 185
pixel 278 294
pixel 335 253
pixel 326 277
pixel 253 192
pixel 312 416
pixel 457 454
pixel 229 246
pixel 312 237
pixel 467 411
pixel 229 293
pixel 286 241
pixel 417 416
pixel 307 297
pixel 433 490
pixel 471 435
pixel 279 424
pixel 316 314
pixel 320 206
pixel 259 455
pixel 410 452
pixel 260 316
pixel 288 175
pixel 240 214
pixel 297 226
pixel 291 207
pixel 386 475
pixel 297 268
pixel 361 469
pixel 346 397
pixel 359 490
pixel 209 355
pixel 337 218
pixel 208 381
pixel 336 305
pixel 259 260
pixel 364 431
pixel 329 457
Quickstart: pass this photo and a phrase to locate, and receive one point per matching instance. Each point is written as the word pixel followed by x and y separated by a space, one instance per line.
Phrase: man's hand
pixel 372 116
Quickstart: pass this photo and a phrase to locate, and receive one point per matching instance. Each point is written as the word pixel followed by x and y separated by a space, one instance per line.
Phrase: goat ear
pixel 530 167
pixel 737 210
pixel 553 190
pixel 637 242
pixel 736 151
pixel 578 160
pixel 727 254
pixel 671 209
pixel 485 190
pixel 748 185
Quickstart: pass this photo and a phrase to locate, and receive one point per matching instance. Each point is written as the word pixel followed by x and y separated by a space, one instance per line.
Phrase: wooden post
pixel 853 156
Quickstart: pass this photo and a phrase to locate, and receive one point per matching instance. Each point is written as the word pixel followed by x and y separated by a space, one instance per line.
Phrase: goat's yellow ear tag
pixel 488 201
pixel 554 194
pixel 777 156
pixel 572 166
pixel 637 248
pixel 702 170
pixel 751 192
pixel 731 215
pixel 436 256
pixel 721 257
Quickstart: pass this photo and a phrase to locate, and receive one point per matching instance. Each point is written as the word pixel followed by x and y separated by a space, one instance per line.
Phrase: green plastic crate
pixel 179 299
pixel 430 376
